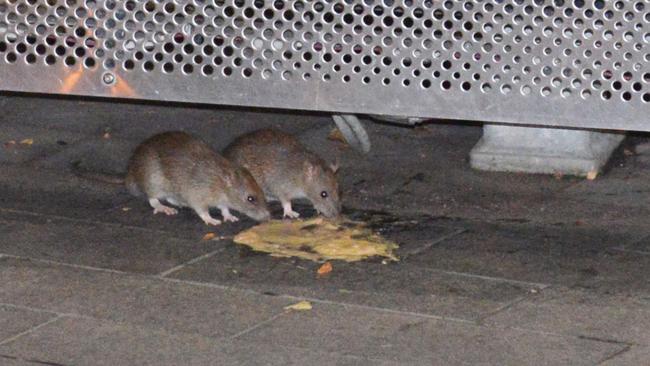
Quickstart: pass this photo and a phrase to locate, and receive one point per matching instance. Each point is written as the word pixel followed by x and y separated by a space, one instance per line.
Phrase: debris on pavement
pixel 592 175
pixel 317 240
pixel 209 236
pixel 324 269
pixel 301 306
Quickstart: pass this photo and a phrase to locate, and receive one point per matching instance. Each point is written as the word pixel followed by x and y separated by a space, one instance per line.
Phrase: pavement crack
pixel 70 265
pixel 614 355
pixel 603 340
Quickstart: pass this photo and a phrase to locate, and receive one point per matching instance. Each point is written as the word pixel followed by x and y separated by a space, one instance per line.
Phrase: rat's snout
pixel 262 215
pixel 328 210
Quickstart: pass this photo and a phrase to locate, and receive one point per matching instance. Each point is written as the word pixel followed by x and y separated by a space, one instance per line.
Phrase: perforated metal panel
pixel 553 62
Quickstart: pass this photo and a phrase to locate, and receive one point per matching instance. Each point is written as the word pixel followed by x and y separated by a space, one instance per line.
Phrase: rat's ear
pixel 311 171
pixel 228 178
pixel 335 166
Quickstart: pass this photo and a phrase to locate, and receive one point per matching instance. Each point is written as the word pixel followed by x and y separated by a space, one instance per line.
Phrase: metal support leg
pixel 543 150
pixel 353 131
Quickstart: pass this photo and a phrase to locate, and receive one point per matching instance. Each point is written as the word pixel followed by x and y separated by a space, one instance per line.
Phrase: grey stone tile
pixel 133 299
pixel 14 320
pixel 74 341
pixel 641 246
pixel 45 141
pixel 582 313
pixel 397 286
pixel 95 153
pixel 636 355
pixel 96 244
pixel 559 254
pixel 412 340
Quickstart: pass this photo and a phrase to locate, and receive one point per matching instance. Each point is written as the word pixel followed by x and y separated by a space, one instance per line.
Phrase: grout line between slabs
pixel 32 361
pixel 540 286
pixel 256 326
pixel 30 330
pixel 190 262
pixel 430 244
pixel 71 265
pixel 45 311
pixel 243 290
pixel 482 318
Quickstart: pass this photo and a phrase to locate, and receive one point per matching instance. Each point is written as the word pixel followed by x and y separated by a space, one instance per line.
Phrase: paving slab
pixel 568 255
pixel 96 244
pixel 23 144
pixel 152 302
pixel 78 341
pixel 623 318
pixel 641 246
pixel 14 321
pixel 396 286
pixel 411 341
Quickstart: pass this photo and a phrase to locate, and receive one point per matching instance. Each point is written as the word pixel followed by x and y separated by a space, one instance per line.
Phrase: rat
pixel 286 170
pixel 185 172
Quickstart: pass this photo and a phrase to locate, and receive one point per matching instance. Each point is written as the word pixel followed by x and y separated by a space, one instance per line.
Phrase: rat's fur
pixel 286 170
pixel 186 172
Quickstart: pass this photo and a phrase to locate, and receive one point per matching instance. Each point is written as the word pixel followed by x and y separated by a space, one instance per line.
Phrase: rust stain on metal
pixel 121 88
pixel 71 80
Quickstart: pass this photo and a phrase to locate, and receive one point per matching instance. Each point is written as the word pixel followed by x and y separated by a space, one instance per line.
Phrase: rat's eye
pixel 251 199
pixel 323 194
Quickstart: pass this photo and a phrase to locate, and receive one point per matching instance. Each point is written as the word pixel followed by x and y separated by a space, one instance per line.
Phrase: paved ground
pixel 497 269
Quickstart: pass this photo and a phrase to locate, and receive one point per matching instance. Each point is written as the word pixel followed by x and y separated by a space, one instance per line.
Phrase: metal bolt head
pixel 108 78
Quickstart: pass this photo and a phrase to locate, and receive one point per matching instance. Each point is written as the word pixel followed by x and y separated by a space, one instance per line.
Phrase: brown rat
pixel 286 170
pixel 186 172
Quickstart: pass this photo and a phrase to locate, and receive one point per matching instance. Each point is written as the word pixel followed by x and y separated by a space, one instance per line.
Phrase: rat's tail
pixel 81 172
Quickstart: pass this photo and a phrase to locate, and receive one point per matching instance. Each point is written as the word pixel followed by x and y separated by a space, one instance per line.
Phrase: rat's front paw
pixel 169 211
pixel 291 214
pixel 209 220
pixel 230 218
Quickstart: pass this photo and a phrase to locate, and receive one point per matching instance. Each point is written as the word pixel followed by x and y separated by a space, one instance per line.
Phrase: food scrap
pixel 324 269
pixel 592 175
pixel 317 239
pixel 209 236
pixel 302 305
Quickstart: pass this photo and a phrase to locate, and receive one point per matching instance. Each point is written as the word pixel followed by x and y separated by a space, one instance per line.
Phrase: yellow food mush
pixel 317 239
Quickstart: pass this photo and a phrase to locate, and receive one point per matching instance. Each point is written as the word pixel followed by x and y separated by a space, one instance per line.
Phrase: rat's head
pixel 322 187
pixel 247 196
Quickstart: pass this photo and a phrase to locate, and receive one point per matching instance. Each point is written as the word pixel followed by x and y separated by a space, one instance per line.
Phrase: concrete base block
pixel 543 150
